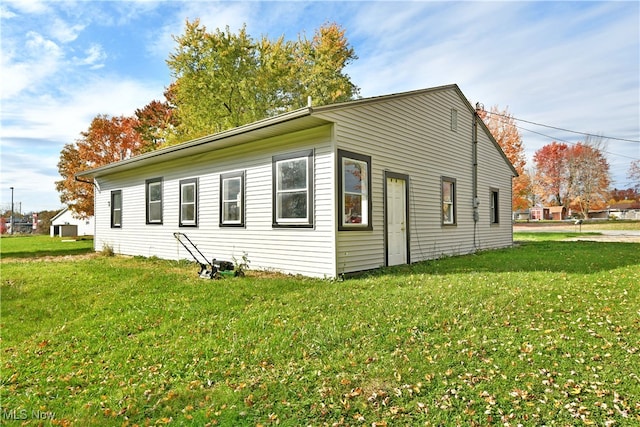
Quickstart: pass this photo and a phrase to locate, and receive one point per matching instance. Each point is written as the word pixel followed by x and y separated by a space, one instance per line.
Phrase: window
pixel 154 200
pixel 189 202
pixel 354 182
pixel 448 201
pixel 232 199
pixel 293 189
pixel 116 209
pixel 495 218
pixel 454 120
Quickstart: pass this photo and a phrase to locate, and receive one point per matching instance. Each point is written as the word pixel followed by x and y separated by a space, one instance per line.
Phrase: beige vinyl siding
pixel 297 251
pixel 489 162
pixel 413 136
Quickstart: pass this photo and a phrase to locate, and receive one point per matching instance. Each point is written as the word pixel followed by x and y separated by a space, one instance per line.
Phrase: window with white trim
pixel 116 209
pixel 189 202
pixel 154 200
pixel 354 182
pixel 232 199
pixel 448 201
pixel 293 189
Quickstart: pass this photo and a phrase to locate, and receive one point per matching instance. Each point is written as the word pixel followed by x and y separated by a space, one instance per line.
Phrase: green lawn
pixel 546 333
pixel 550 235
pixel 39 246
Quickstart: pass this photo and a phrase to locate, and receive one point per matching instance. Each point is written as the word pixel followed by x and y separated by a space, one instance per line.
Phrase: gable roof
pixel 59 214
pixel 291 121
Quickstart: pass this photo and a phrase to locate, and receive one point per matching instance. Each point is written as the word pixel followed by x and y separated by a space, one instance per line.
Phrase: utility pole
pixel 11 210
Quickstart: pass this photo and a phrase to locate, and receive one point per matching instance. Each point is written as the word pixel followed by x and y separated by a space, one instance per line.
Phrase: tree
pixel 634 174
pixel 616 195
pixel 321 62
pixel 44 221
pixel 589 175
pixel 107 140
pixel 503 128
pixel 155 121
pixel 551 173
pixel 573 176
pixel 223 80
pixel 530 186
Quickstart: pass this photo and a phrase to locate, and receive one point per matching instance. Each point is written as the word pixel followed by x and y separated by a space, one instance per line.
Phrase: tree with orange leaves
pixel 589 174
pixel 107 140
pixel 156 120
pixel 551 173
pixel 503 128
pixel 575 176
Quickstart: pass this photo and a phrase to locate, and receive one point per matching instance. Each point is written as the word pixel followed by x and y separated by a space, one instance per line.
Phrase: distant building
pixel 550 213
pixel 64 224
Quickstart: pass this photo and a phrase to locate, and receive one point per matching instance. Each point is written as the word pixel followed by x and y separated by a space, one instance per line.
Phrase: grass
pixel 586 226
pixel 546 333
pixel 550 235
pixel 40 246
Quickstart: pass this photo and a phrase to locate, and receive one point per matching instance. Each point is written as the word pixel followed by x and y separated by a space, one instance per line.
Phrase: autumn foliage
pixel 574 176
pixel 108 139
pixel 503 128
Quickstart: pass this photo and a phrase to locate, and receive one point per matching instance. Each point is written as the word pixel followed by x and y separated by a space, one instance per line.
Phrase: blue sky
pixel 572 65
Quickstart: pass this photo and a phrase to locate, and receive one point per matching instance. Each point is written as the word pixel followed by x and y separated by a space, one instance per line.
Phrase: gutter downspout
pixel 475 202
pixel 474 174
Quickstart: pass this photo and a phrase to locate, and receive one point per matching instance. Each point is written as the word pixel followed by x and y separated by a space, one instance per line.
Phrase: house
pixel 558 213
pixel 521 215
pixel 64 224
pixel 627 209
pixel 551 213
pixel 319 191
pixel 538 213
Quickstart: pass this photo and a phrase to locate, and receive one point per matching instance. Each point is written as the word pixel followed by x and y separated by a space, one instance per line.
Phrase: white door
pixel 396 221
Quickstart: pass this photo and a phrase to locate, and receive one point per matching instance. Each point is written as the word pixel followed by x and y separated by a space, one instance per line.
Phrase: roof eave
pixel 151 157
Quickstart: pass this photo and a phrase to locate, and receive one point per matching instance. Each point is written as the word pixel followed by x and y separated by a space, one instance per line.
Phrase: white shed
pixel 64 224
pixel 319 191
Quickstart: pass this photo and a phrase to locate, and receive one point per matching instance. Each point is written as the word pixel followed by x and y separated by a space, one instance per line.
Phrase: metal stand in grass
pixel 208 270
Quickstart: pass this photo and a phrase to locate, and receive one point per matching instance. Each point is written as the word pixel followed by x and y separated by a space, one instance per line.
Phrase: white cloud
pixel 5 13
pixel 28 6
pixel 94 57
pixel 36 127
pixel 63 31
pixel 25 66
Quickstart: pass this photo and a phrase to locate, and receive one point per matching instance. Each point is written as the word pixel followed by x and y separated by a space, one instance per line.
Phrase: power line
pixel 563 130
pixel 572 143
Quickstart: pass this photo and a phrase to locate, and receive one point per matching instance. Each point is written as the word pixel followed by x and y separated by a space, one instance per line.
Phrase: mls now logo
pixel 23 414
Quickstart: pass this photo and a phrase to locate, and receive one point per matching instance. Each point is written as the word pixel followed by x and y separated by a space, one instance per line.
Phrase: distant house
pixel 550 213
pixel 64 224
pixel 539 213
pixel 558 213
pixel 624 210
pixel 319 191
